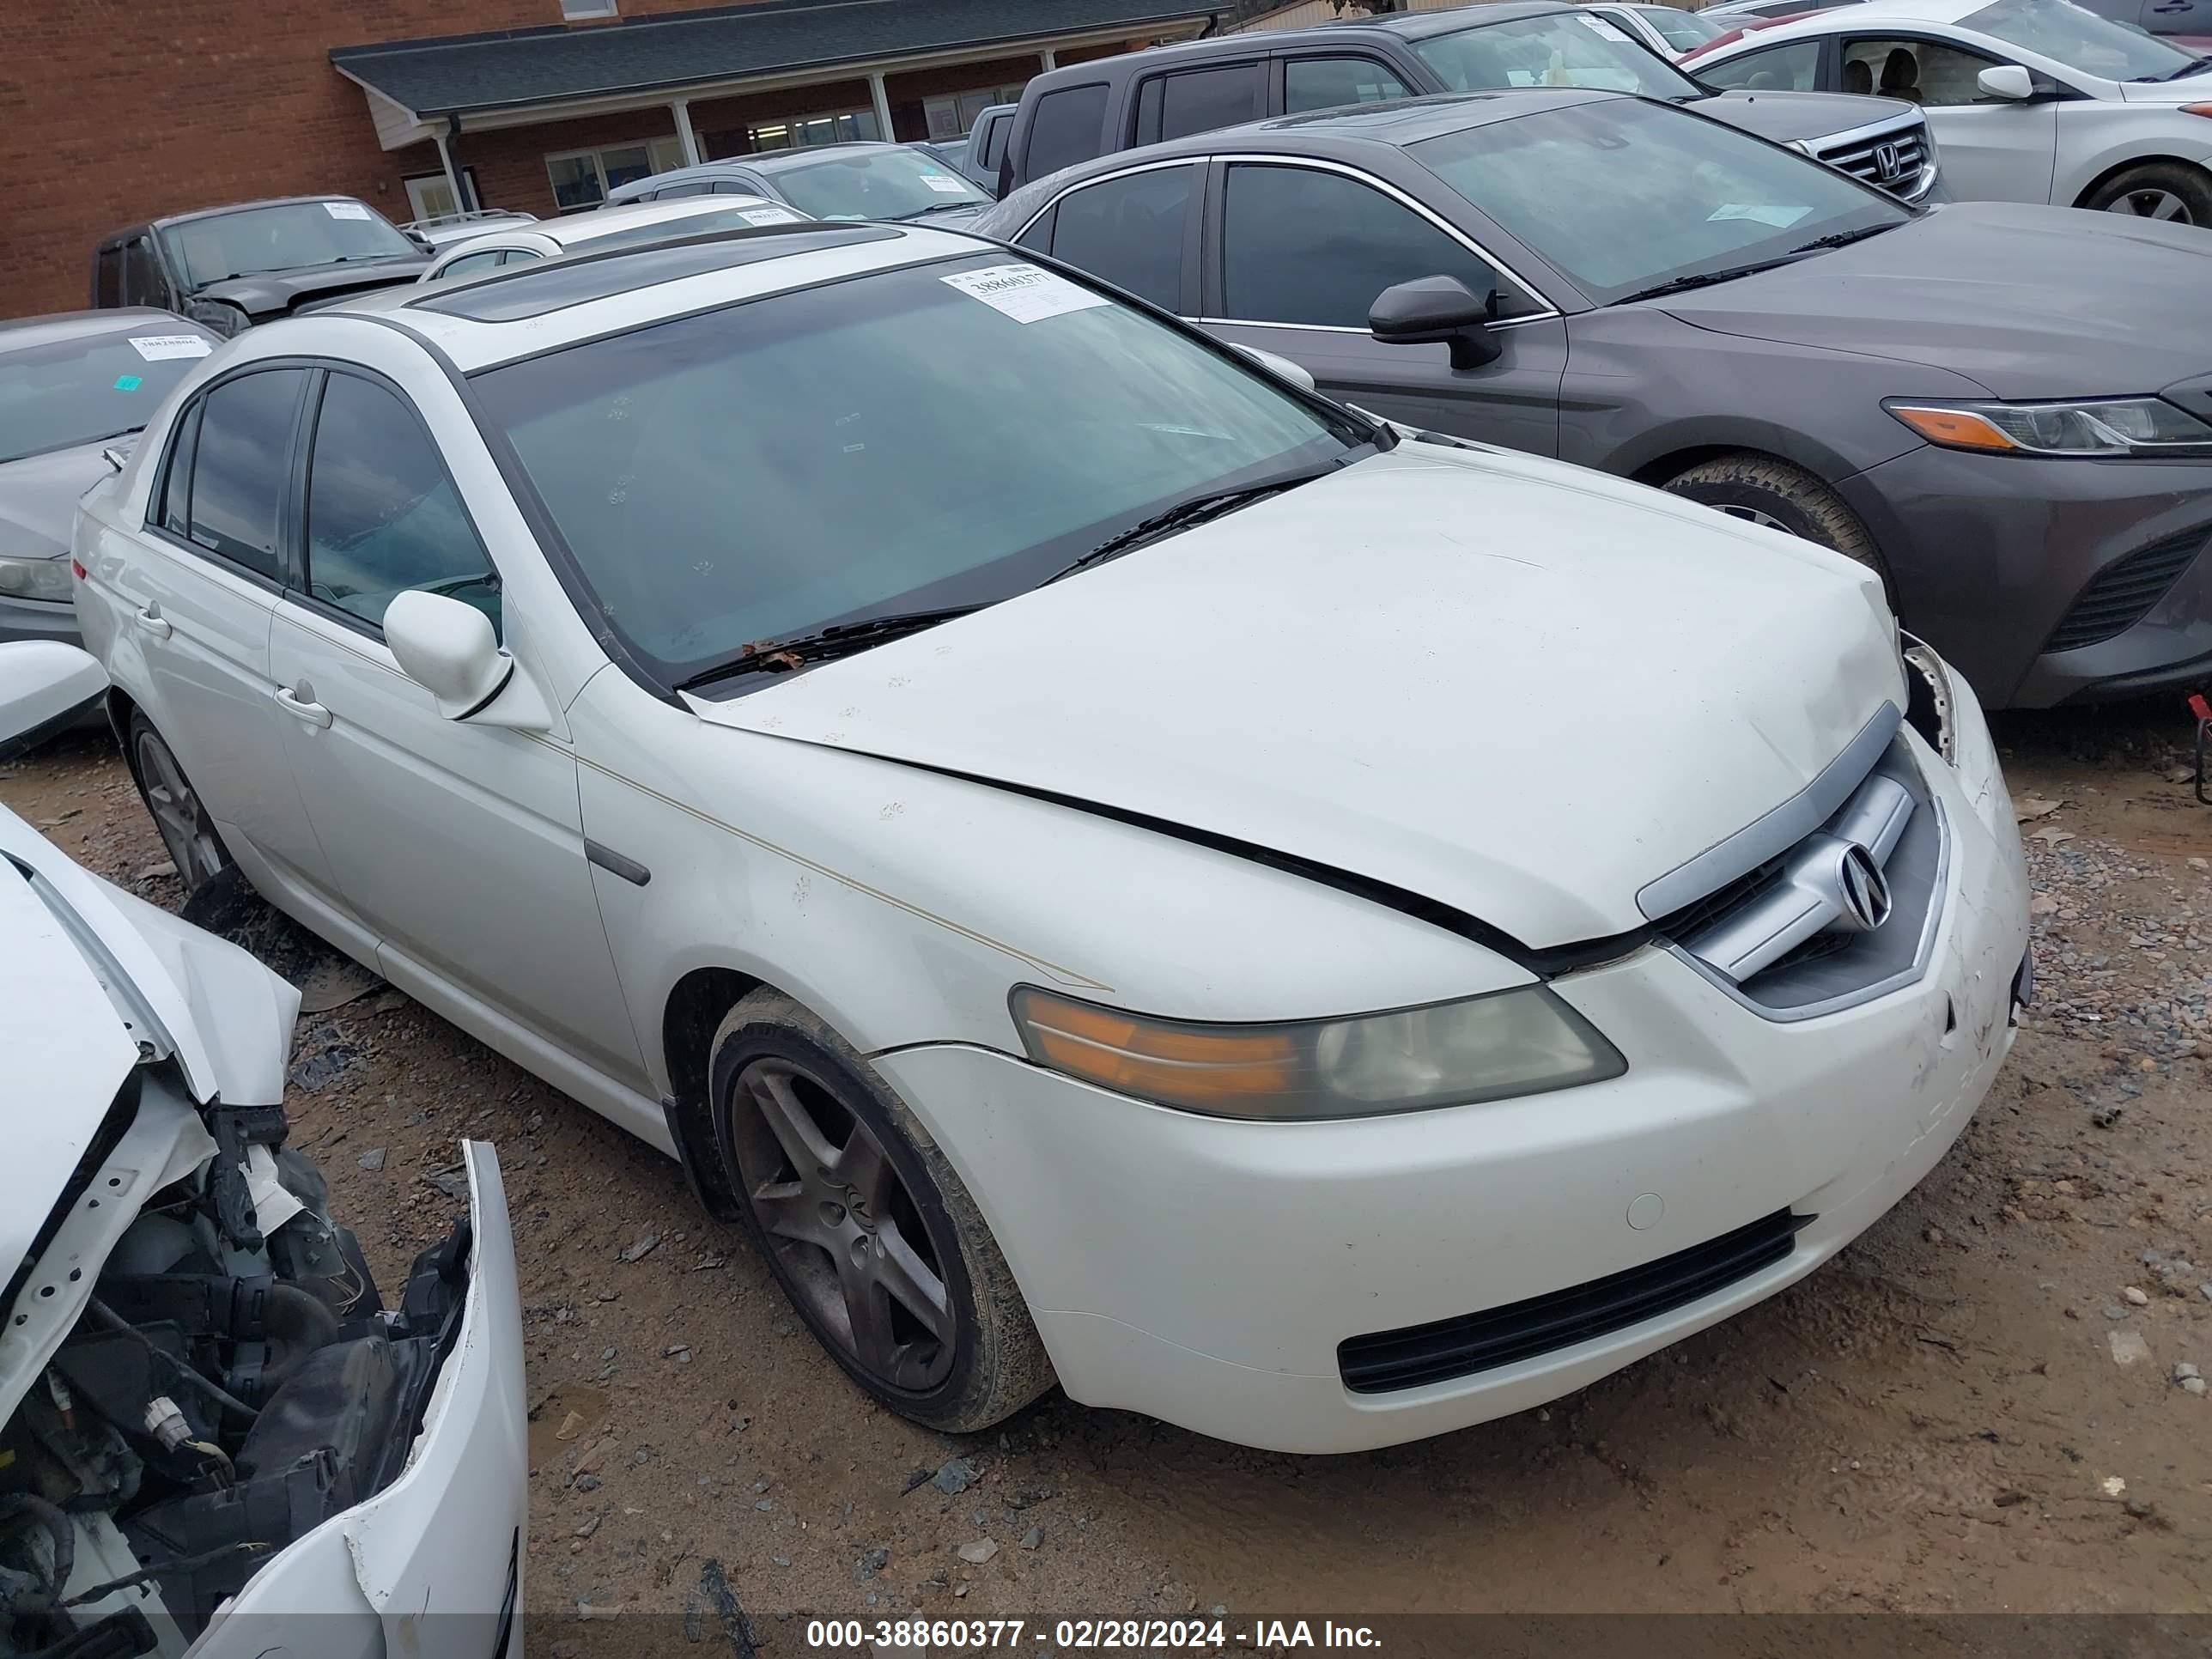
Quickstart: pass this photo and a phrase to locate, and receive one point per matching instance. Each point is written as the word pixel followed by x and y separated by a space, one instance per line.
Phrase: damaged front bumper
pixel 430 1567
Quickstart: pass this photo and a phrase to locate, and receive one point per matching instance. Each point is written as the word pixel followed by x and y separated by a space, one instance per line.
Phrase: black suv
pixel 231 267
pixel 1097 108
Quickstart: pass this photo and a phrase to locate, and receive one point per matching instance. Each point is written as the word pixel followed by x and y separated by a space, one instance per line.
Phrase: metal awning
pixel 416 87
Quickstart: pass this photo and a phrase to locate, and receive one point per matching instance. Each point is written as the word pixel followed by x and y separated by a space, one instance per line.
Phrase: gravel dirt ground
pixel 1975 1408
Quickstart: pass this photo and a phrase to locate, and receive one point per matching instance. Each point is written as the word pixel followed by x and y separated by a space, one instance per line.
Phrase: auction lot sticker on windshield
pixel 1028 294
pixel 155 347
pixel 767 217
pixel 945 184
pixel 345 209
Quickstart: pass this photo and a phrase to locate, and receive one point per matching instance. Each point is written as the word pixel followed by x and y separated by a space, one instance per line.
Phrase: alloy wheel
pixel 2151 204
pixel 849 1234
pixel 178 814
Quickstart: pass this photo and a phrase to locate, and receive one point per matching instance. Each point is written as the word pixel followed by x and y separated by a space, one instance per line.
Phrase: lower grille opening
pixel 1449 1348
pixel 2122 593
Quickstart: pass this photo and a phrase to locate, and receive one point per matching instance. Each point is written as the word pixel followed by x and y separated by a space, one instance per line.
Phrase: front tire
pixel 1781 496
pixel 866 1225
pixel 2170 190
pixel 180 815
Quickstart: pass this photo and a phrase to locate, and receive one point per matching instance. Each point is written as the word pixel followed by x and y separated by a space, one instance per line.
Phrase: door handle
pixel 151 619
pixel 2177 5
pixel 302 708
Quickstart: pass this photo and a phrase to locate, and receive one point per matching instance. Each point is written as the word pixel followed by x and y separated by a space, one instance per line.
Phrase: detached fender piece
pixel 430 1567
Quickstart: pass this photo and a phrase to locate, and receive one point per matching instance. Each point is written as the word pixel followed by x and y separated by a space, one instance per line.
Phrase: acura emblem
pixel 1864 891
pixel 1888 162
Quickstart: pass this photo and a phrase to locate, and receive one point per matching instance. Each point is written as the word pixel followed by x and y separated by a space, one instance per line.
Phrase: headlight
pixel 2107 426
pixel 35 579
pixel 1523 1042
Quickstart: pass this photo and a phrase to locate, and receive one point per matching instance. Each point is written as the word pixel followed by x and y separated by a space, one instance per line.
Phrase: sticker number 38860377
pixel 1028 294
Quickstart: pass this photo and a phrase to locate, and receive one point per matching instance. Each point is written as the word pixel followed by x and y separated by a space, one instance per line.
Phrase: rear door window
pixel 240 467
pixel 1130 231
pixel 1066 128
pixel 107 278
pixel 1198 101
pixel 143 282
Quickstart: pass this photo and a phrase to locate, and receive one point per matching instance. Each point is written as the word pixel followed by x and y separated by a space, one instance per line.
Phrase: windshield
pixel 285 237
pixel 1560 49
pixel 2079 40
pixel 876 184
pixel 940 435
pixel 1681 30
pixel 1622 196
pixel 68 393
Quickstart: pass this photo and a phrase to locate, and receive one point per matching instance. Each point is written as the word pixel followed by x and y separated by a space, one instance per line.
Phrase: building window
pixel 830 127
pixel 582 178
pixel 577 11
pixel 430 197
pixel 951 116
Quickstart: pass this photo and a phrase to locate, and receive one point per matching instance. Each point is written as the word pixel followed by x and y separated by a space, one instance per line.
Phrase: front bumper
pixel 431 1566
pixel 1989 555
pixel 1204 1270
pixel 37 619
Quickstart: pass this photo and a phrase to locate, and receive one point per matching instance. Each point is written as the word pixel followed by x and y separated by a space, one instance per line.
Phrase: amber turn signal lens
pixel 1953 426
pixel 1155 1061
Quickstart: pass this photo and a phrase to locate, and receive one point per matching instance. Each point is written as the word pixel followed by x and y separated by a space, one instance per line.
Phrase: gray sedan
pixel 72 385
pixel 2005 410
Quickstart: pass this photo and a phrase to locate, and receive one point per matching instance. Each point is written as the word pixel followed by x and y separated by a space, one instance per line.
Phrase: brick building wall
pixel 117 110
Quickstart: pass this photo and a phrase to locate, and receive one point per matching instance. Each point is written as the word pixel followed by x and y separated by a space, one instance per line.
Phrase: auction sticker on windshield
pixel 345 209
pixel 156 347
pixel 945 184
pixel 1024 293
pixel 767 217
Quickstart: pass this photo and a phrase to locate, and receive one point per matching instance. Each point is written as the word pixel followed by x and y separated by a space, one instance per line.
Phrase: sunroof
pixel 515 296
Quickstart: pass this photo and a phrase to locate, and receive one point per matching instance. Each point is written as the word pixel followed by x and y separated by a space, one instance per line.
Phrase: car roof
pixel 1412 26
pixel 582 229
pixel 21 333
pixel 565 300
pixel 1855 16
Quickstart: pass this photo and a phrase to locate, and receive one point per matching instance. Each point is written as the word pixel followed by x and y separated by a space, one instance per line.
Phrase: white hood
pixel 1515 687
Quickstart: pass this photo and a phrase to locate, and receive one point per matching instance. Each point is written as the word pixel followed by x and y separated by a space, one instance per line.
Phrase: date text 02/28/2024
pixel 885 1637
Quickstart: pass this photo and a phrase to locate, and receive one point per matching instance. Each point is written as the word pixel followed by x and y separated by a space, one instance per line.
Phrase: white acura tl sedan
pixel 1115 868
pixel 213 1434
pixel 2031 101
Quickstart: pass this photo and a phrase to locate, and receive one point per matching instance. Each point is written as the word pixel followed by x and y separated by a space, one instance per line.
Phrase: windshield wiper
pixel 1839 239
pixel 940 207
pixel 1195 509
pixel 840 639
pixel 2194 66
pixel 1701 279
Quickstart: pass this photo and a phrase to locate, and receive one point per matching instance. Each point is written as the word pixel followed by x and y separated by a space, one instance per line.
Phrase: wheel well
pixel 119 710
pixel 2129 165
pixel 1657 472
pixel 696 1005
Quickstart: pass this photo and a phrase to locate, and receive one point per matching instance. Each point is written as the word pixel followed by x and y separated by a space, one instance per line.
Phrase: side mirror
pixel 2009 81
pixel 1432 308
pixel 44 686
pixel 1282 368
pixel 448 649
pixel 421 242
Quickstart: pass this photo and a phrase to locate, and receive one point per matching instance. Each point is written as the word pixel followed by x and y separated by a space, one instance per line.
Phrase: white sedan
pixel 2030 100
pixel 213 1430
pixel 1088 848
pixel 525 241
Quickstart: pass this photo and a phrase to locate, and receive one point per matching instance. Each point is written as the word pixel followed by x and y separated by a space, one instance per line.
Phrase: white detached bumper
pixel 431 1566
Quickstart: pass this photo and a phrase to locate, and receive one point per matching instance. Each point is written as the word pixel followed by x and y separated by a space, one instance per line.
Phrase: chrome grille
pixel 1888 160
pixel 1843 915
pixel 2122 593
